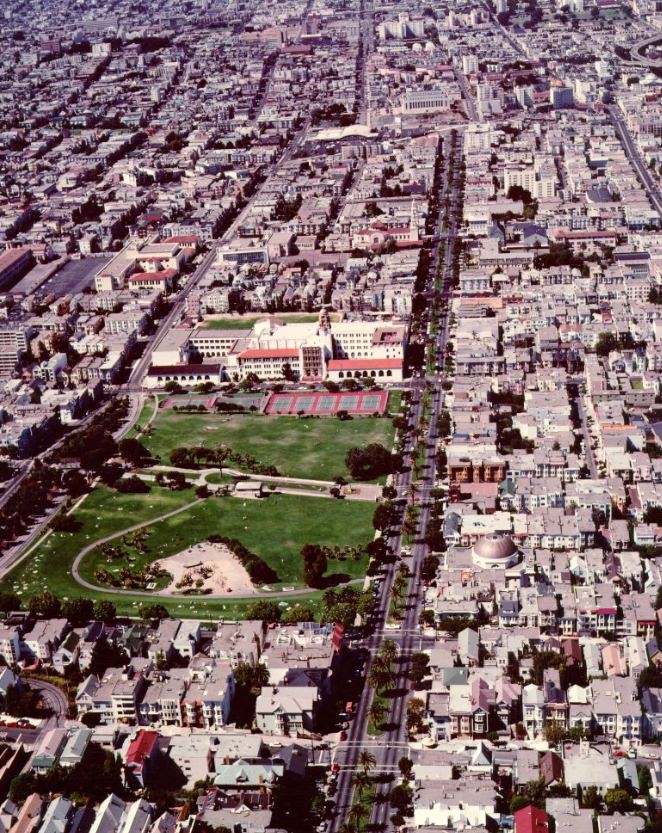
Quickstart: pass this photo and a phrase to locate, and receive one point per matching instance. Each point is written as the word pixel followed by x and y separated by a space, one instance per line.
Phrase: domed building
pixel 495 550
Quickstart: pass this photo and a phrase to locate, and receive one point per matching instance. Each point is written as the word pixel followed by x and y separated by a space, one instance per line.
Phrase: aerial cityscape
pixel 331 416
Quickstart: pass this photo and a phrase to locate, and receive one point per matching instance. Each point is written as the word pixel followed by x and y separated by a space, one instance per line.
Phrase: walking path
pixel 363 491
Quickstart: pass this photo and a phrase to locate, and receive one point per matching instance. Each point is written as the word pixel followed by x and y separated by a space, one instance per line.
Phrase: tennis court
pixel 327 404
pixel 279 404
pixel 188 401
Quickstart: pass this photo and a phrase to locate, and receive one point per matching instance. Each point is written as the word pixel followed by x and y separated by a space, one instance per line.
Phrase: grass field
pixel 274 528
pixel 48 567
pixel 309 448
pixel 247 323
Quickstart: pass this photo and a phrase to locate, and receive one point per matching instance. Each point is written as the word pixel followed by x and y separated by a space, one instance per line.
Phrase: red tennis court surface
pixel 327 404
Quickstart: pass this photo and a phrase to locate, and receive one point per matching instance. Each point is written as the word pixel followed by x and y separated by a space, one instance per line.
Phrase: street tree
pixel 367 761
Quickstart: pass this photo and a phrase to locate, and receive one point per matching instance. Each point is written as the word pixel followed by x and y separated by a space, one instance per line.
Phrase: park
pixel 308 447
pixel 136 546
pixel 274 528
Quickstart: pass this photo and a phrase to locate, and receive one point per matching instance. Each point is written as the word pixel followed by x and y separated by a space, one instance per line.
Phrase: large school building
pixel 313 351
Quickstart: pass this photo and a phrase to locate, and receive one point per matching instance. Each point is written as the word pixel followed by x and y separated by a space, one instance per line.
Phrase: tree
pixel 378 550
pixel 406 766
pixel 420 667
pixel 384 516
pixel 249 382
pixel 645 779
pixel 300 613
pixel 356 813
pixel 105 655
pixel 9 602
pixel 44 605
pixel 381 674
pixel 618 800
pixel 314 564
pixel 181 458
pixel 132 485
pixel 75 482
pixel 133 451
pixel 251 677
pixel 389 650
pixel 401 796
pixel 428 619
pixel 369 462
pixel 63 522
pixel 591 799
pixel 264 611
pixel 175 480
pixel 361 782
pixel 222 454
pixel 367 761
pixel 444 423
pixel 554 733
pixel 606 344
pixel 415 710
pixel 518 802
pixel 288 372
pixel 154 611
pixel 429 567
pixel 377 712
pixel 78 611
pixel 105 611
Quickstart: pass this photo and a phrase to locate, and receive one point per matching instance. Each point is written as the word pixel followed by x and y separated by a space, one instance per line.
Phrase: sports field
pixel 308 448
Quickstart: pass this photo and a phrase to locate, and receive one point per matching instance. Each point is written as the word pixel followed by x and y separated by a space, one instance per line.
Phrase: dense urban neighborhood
pixel 331 416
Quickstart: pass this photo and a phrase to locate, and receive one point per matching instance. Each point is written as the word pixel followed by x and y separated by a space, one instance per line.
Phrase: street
pixel 633 154
pixel 393 744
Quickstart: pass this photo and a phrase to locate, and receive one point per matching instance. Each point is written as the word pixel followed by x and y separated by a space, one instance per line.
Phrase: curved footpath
pixel 98 588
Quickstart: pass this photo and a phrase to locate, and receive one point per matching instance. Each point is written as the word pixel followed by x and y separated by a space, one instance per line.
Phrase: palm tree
pixel 383 670
pixel 361 782
pixel 380 676
pixel 377 712
pixel 388 649
pixel 348 827
pixel 222 454
pixel 356 814
pixel 399 587
pixel 367 760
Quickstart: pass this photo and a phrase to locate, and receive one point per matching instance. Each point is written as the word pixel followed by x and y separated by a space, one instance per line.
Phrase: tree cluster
pixel 370 462
pixel 257 568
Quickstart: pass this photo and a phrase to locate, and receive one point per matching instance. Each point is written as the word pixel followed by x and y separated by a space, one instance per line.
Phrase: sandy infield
pixel 214 564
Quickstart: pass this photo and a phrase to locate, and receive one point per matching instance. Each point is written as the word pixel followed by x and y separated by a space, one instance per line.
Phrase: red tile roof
pixel 182 238
pixel 363 364
pixel 584 235
pixel 178 369
pixel 278 353
pixel 153 276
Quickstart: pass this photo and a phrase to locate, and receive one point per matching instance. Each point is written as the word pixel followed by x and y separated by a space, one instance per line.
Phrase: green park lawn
pixel 247 323
pixel 308 448
pixel 276 529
